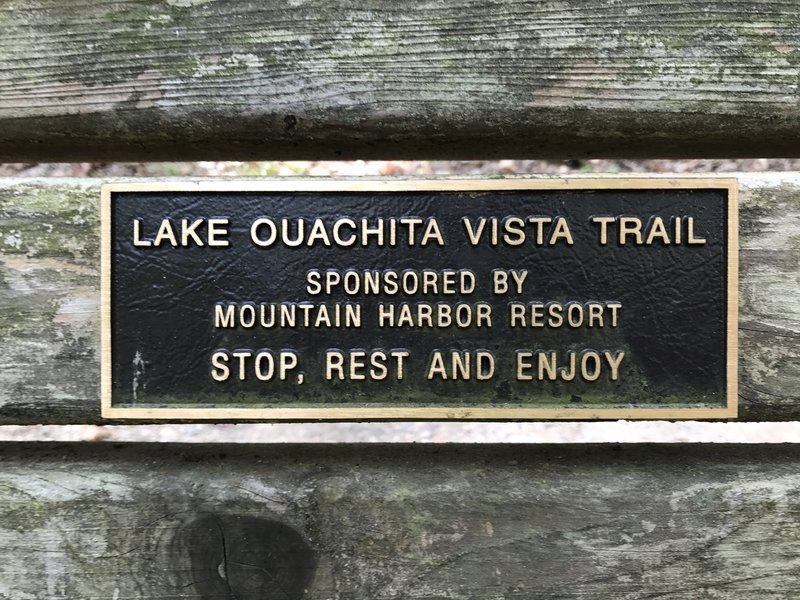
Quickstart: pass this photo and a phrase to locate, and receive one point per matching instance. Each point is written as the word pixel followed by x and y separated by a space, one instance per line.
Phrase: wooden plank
pixel 151 80
pixel 250 522
pixel 49 300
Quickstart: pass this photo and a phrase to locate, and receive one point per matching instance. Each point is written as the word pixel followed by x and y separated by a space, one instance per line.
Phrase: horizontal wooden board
pixel 255 522
pixel 153 80
pixel 50 300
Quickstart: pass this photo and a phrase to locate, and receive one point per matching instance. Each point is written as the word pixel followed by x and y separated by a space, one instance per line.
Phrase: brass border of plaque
pixel 425 413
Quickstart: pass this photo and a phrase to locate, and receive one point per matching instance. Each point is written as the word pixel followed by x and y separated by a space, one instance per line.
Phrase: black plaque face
pixel 510 299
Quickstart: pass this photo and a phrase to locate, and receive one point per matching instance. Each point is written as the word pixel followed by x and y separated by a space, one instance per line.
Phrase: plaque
pixel 498 299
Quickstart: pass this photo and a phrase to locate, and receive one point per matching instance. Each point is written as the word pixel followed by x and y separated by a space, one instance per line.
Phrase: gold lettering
pixel 137 241
pixel 547 362
pixel 318 232
pixel 517 314
pixel 690 238
pixel 334 362
pixel 190 231
pixel 657 230
pixel 515 232
pixel 337 232
pixel 561 230
pixel 523 365
pixel 539 223
pixel 217 229
pixel 588 375
pixel 604 222
pixel 219 363
pixel 255 229
pixel 630 226
pixel 614 362
pixel 568 374
pixel 474 235
pixel 165 232
pixel 224 316
pixel 436 367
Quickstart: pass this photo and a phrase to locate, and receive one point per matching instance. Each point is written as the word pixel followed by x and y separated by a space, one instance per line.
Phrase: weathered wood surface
pixel 49 300
pixel 179 79
pixel 405 522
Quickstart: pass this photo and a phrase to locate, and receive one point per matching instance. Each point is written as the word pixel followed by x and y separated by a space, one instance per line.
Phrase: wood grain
pixel 402 522
pixel 203 79
pixel 50 313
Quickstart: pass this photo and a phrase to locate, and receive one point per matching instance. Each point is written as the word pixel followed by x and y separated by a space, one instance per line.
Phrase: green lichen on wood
pixel 769 306
pixel 36 223
pixel 168 80
pixel 49 297
pixel 400 522
pixel 49 300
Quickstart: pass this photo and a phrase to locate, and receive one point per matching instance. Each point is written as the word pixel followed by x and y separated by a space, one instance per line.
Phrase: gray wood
pixel 49 300
pixel 405 522
pixel 154 80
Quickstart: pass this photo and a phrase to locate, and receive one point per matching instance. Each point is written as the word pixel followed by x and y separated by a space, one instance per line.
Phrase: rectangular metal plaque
pixel 491 299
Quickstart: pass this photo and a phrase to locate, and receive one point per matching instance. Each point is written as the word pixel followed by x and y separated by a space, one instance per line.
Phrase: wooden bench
pixel 206 80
